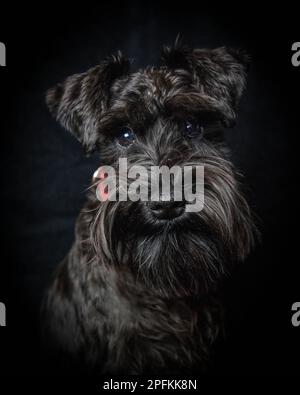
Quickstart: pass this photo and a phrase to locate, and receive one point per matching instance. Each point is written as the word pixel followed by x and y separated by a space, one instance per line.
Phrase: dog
pixel 138 291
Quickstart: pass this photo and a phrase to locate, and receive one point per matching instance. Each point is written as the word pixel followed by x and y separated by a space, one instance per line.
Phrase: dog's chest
pixel 152 334
pixel 132 330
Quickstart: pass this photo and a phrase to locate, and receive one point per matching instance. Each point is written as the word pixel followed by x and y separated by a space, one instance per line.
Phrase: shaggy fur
pixel 137 294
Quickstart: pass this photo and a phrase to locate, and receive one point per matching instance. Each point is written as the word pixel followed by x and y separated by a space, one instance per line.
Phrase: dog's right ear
pixel 79 102
pixel 219 73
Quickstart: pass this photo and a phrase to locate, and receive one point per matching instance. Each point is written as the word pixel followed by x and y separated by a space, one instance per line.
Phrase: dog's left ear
pixel 219 73
pixel 79 102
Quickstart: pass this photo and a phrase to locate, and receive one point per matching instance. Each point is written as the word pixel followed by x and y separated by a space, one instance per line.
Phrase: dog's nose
pixel 167 209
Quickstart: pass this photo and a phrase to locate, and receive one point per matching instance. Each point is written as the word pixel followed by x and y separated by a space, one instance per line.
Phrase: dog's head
pixel 172 115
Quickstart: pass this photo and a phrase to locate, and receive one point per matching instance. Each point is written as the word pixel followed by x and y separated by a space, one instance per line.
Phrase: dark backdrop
pixel 44 172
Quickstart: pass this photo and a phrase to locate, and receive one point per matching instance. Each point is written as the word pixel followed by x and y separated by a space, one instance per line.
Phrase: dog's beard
pixel 185 256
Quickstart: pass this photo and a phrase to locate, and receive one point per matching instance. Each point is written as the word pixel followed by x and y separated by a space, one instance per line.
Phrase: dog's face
pixel 172 115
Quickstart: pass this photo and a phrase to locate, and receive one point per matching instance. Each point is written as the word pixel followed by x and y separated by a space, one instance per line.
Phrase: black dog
pixel 137 291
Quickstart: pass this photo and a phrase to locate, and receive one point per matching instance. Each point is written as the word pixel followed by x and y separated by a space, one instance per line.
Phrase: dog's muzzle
pixel 167 210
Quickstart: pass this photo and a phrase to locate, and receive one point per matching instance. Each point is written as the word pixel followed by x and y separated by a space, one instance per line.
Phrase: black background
pixel 44 171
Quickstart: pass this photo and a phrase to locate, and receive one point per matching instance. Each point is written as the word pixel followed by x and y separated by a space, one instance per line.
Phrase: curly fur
pixel 136 294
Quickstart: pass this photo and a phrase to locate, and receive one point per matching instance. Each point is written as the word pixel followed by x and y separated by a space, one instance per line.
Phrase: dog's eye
pixel 125 137
pixel 193 128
